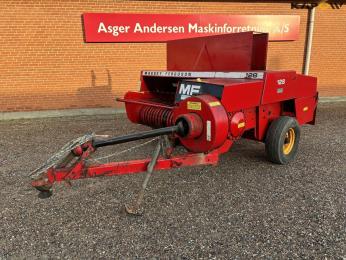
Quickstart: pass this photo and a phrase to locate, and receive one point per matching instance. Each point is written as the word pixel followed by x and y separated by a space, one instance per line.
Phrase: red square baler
pixel 215 90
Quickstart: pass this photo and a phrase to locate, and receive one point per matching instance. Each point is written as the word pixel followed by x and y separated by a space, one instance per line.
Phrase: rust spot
pixel 176 164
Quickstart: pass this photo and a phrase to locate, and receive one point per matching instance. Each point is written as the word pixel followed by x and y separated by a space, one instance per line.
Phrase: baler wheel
pixel 282 140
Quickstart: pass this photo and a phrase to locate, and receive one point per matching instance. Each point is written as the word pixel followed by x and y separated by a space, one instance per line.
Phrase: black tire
pixel 278 144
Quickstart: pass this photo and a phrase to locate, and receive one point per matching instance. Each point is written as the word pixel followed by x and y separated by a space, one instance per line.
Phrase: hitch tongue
pixel 68 162
pixel 40 176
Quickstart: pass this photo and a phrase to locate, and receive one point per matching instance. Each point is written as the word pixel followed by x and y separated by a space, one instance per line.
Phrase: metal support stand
pixel 135 208
pixel 167 147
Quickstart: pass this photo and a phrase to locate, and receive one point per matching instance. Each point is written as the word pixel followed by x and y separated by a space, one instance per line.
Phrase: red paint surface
pixel 305 108
pixel 241 94
pixel 215 116
pixel 218 53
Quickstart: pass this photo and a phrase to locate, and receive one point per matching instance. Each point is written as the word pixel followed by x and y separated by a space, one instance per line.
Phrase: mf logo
pixel 322 4
pixel 188 89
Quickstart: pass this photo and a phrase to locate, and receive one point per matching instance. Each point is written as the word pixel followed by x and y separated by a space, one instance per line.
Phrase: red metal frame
pixel 79 169
pixel 212 54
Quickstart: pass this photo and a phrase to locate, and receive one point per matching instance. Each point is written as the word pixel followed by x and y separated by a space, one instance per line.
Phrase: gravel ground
pixel 245 207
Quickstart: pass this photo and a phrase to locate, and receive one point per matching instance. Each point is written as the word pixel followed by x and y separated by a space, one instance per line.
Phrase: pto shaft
pixel 179 129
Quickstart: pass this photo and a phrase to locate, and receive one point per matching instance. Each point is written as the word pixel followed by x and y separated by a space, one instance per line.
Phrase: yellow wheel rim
pixel 289 141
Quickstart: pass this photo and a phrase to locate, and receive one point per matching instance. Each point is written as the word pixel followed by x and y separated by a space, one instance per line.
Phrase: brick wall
pixel 46 65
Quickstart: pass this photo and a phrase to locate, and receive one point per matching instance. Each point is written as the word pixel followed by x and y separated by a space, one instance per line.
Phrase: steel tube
pixel 137 136
pixel 308 44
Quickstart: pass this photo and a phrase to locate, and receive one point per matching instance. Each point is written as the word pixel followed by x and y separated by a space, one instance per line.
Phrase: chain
pixel 61 154
pixel 123 151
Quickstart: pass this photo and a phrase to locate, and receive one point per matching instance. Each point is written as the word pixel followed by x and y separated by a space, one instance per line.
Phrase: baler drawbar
pixel 69 164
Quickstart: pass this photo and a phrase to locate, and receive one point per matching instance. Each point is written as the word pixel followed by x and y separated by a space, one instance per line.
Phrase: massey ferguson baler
pixel 215 91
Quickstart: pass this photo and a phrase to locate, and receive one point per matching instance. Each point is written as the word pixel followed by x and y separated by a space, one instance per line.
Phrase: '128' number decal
pixel 251 75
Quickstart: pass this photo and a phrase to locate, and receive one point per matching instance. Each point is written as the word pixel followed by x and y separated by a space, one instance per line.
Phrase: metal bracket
pixel 135 208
